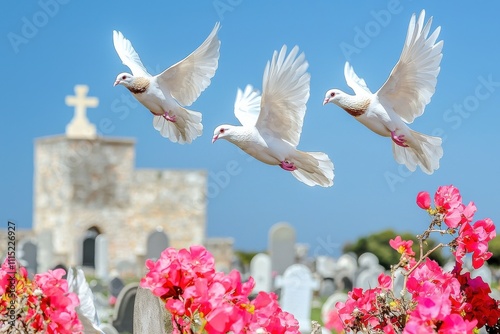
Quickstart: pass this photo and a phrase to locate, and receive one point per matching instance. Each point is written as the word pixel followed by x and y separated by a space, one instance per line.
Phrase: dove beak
pixel 326 101
pixel 215 138
pixel 116 83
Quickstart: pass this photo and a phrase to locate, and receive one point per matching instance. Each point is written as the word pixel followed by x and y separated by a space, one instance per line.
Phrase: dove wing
pixel 357 84
pixel 247 106
pixel 412 81
pixel 285 94
pixel 128 55
pixel 188 78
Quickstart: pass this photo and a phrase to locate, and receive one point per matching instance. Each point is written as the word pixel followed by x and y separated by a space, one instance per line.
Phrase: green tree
pixel 378 244
pixel 494 247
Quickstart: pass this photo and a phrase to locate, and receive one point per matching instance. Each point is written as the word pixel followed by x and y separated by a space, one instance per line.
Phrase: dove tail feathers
pixel 184 130
pixel 424 151
pixel 313 168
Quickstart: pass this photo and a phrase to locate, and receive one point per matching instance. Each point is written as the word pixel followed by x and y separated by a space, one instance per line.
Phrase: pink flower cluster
pixel 41 305
pixel 435 301
pixel 471 238
pixel 201 299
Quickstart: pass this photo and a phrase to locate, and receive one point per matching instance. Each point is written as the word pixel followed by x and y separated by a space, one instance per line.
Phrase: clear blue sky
pixel 72 44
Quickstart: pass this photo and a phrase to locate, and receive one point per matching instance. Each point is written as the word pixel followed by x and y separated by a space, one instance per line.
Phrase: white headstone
pixel 260 270
pixel 281 247
pixel 297 285
pixel 368 260
pixel 101 257
pixel 80 127
pixel 325 266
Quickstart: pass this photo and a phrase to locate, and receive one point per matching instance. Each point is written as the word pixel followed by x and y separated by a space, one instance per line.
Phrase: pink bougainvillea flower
pixel 47 305
pixel 454 324
pixel 334 322
pixel 468 212
pixel 385 281
pixel 402 246
pixel 447 198
pixel 474 239
pixel 424 200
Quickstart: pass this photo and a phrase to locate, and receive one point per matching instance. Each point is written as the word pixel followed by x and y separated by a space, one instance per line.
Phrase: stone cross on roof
pixel 80 127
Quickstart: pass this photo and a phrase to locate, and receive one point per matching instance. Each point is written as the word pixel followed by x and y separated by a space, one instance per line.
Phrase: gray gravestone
pixel 115 286
pixel 327 287
pixel 157 242
pixel 150 315
pixel 260 270
pixel 45 252
pixel 281 247
pixel 123 317
pixel 28 256
pixel 297 285
pixel 101 257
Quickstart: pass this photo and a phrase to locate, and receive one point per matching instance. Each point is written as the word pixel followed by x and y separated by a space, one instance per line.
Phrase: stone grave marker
pixel 115 286
pixel 327 287
pixel 156 243
pixel 368 260
pixel 150 315
pixel 368 278
pixel 260 270
pixel 368 272
pixel 297 285
pixel 101 257
pixel 281 247
pixel 123 317
pixel 325 266
pixel 28 256
pixel 346 267
pixel 330 304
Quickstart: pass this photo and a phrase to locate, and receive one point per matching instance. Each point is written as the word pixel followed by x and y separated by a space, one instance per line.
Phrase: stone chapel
pixel 92 208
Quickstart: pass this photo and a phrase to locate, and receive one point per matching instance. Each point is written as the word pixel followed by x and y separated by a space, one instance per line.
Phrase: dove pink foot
pixel 289 166
pixel 399 140
pixel 172 118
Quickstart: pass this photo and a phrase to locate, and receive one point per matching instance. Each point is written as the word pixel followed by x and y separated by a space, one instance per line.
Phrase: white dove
pixel 271 124
pixel 401 99
pixel 167 93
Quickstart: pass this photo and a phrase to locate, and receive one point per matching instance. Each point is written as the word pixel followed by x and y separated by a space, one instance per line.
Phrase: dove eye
pixel 332 94
pixel 124 77
pixel 222 130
